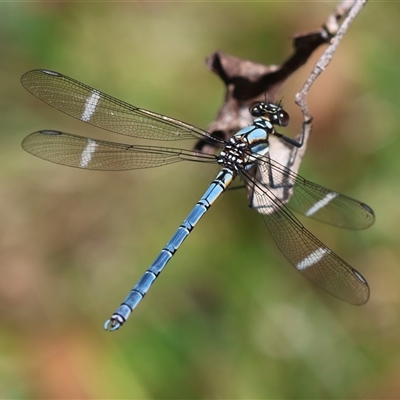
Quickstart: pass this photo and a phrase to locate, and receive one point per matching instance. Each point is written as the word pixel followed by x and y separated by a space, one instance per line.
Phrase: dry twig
pixel 247 81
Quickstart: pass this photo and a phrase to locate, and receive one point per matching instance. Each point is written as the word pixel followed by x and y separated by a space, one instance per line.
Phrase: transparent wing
pixel 99 109
pixel 83 152
pixel 310 199
pixel 309 255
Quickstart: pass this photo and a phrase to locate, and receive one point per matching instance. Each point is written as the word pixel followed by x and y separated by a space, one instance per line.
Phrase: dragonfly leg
pixel 280 185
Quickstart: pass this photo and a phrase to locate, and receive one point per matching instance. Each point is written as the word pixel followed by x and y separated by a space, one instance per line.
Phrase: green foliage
pixel 229 318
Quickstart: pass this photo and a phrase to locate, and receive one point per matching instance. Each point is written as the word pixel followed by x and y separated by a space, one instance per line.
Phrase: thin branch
pixel 248 81
pixel 349 8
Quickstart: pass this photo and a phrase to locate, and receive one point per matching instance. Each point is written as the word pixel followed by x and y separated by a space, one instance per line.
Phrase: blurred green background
pixel 229 318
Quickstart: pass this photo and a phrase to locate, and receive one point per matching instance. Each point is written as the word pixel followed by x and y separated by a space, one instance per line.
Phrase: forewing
pixel 99 109
pixel 310 199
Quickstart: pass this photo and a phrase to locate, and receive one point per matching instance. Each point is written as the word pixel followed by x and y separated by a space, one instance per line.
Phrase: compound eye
pixel 257 109
pixel 283 118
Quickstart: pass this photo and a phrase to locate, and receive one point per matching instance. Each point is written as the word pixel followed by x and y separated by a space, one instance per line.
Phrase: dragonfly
pixel 274 190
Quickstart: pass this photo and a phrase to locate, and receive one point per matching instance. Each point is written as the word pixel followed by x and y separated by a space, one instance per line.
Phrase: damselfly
pixel 273 189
